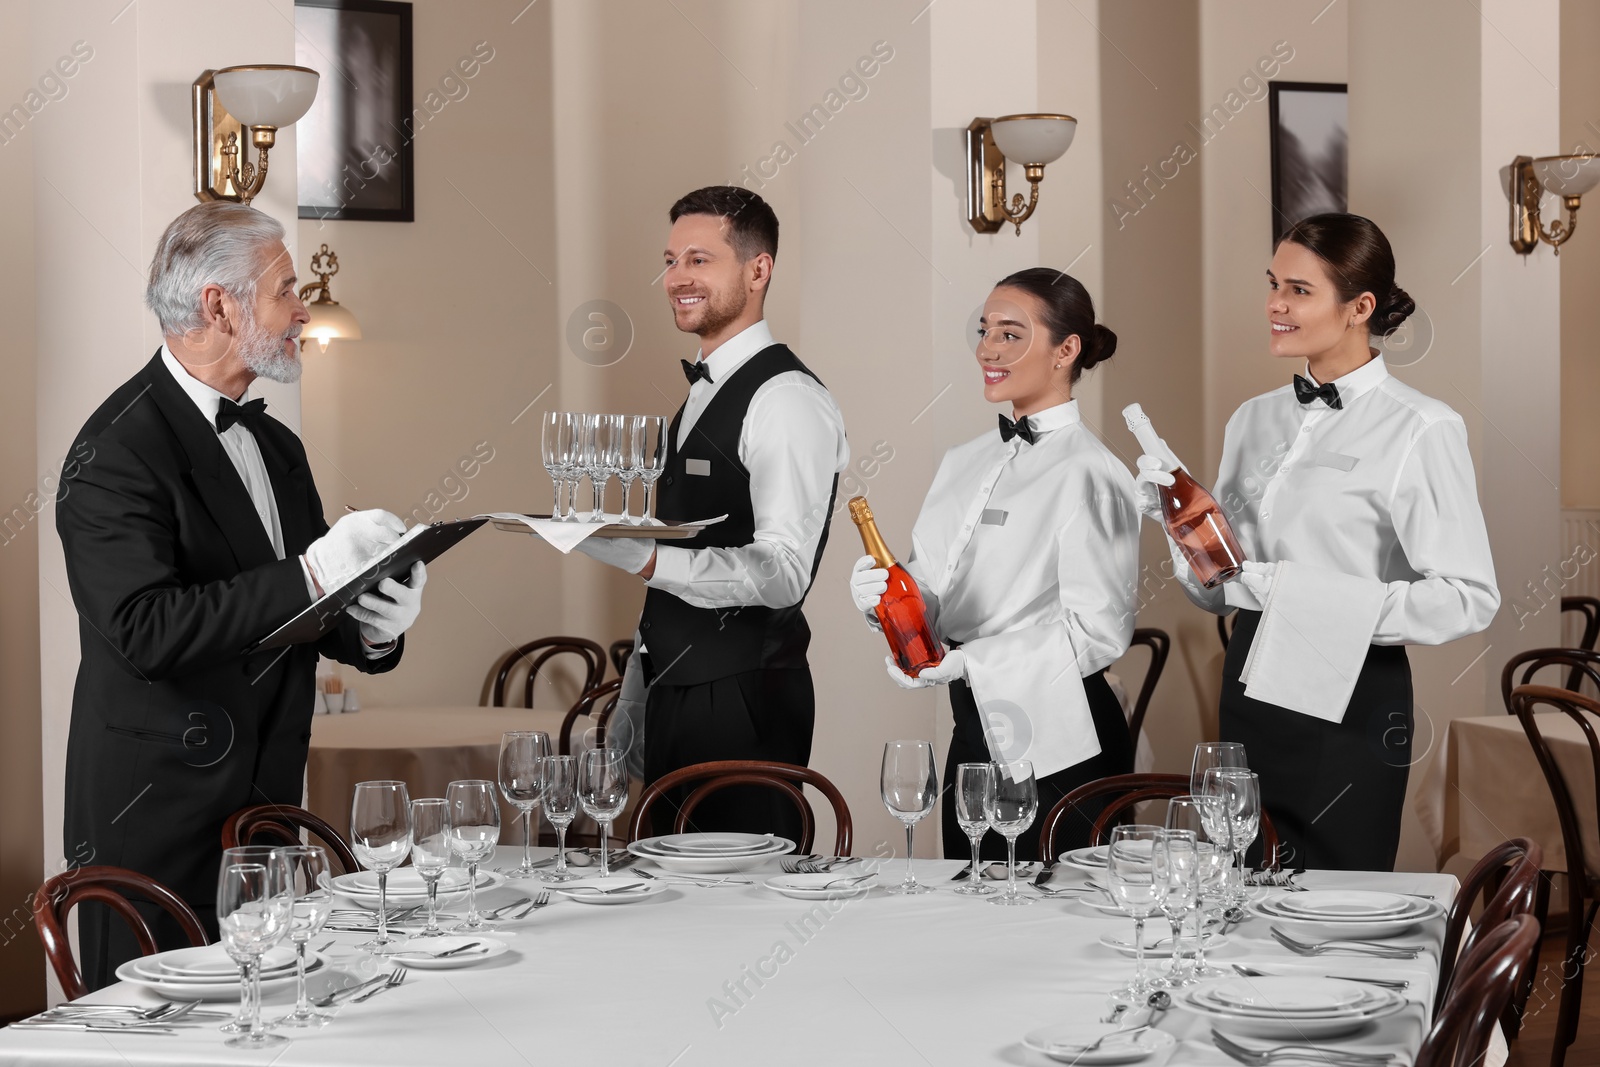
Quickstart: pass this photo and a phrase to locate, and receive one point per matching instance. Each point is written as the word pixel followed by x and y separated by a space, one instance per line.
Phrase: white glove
pixel 1250 589
pixel 952 668
pixel 868 583
pixel 625 553
pixel 384 618
pixel 1154 472
pixel 353 542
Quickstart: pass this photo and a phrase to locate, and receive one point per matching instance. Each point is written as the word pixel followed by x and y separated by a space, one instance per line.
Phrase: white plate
pixel 490 948
pixel 1286 993
pixel 1086 859
pixel 1161 948
pixel 588 890
pixel 708 864
pixel 403 880
pixel 769 846
pixel 180 989
pixel 821 886
pixel 1323 929
pixel 209 963
pixel 487 880
pixel 715 844
pixel 1066 1041
pixel 1294 1026
pixel 1348 905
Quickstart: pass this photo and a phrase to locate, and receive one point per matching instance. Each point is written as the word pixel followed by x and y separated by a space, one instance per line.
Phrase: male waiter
pixel 722 641
pixel 192 530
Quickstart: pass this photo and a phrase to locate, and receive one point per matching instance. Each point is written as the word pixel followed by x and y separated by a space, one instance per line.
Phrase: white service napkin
pixel 1315 630
pixel 563 535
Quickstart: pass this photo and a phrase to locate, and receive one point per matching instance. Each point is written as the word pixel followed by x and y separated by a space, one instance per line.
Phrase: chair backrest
pixel 535 654
pixel 1223 630
pixel 619 652
pixel 110 886
pixel 1487 979
pixel 786 778
pixel 281 824
pixel 1127 791
pixel 1160 644
pixel 1514 865
pixel 1589 608
pixel 598 704
pixel 1580 664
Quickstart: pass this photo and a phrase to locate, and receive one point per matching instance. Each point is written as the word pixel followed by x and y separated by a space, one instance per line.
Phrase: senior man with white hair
pixel 192 528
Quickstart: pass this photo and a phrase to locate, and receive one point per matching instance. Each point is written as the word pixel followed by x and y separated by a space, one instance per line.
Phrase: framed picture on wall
pixel 354 147
pixel 1310 161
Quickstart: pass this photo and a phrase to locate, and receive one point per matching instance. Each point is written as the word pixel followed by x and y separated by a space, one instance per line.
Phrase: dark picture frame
pixel 1309 134
pixel 354 147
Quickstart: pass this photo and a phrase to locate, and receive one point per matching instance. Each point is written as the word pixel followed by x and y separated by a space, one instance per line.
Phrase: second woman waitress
pixel 1026 552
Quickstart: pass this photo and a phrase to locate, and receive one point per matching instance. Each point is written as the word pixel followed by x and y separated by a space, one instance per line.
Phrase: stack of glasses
pixel 601 447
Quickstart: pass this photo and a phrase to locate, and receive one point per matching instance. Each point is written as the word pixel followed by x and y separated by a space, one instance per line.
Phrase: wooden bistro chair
pixel 786 778
pixel 619 652
pixel 1581 664
pixel 111 886
pixel 596 704
pixel 1486 982
pixel 1127 792
pixel 535 654
pixel 1583 888
pixel 1159 642
pixel 1589 608
pixel 1508 880
pixel 280 824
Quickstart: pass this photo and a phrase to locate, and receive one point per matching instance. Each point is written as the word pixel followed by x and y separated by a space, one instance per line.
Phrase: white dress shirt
pixel 1381 488
pixel 1028 555
pixel 793 445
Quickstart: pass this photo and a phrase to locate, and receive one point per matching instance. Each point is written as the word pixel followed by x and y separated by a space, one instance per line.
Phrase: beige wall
pixel 1580 264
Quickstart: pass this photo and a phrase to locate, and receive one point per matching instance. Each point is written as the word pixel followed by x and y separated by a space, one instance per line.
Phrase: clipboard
pixel 421 544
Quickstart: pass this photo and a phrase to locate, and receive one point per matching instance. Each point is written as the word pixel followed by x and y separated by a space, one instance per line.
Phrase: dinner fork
pixel 1261 1057
pixel 1367 948
pixel 496 913
pixel 539 901
pixel 396 976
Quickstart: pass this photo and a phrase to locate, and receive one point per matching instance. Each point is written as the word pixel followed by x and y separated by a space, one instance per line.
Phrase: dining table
pixel 724 970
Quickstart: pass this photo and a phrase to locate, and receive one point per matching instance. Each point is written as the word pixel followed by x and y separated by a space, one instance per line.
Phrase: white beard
pixel 263 353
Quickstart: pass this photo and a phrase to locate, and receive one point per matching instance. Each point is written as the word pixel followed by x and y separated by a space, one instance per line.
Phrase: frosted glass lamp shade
pixel 1034 139
pixel 1568 175
pixel 264 95
pixel 330 321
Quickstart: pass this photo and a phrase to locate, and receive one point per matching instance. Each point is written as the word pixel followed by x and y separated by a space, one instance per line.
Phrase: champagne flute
pixel 555 440
pixel 909 787
pixel 974 795
pixel 1239 793
pixel 1014 804
pixel 312 890
pixel 603 792
pixel 474 829
pixel 380 837
pixel 522 755
pixel 653 460
pixel 586 461
pixel 613 446
pixel 634 439
pixel 560 795
pixel 1201 816
pixel 430 853
pixel 1177 895
pixel 1136 870
pixel 254 910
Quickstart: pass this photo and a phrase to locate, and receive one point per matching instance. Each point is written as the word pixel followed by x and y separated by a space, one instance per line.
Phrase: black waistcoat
pixel 687 645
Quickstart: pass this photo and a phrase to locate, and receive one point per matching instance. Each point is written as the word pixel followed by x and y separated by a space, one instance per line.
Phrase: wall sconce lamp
pixel 1031 140
pixel 1568 177
pixel 328 319
pixel 263 99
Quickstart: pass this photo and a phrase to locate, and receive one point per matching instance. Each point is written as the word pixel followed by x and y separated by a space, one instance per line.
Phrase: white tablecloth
pixel 883 980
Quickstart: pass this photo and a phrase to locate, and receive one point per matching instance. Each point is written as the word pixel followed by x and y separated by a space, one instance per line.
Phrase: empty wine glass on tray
pixel 1202 817
pixel 603 792
pixel 633 457
pixel 974 795
pixel 474 813
pixel 255 908
pixel 312 889
pixel 1177 896
pixel 909 787
pixel 652 460
pixel 1136 873
pixel 430 853
pixel 560 798
pixel 1239 793
pixel 557 438
pixel 587 462
pixel 1012 807
pixel 380 837
pixel 522 755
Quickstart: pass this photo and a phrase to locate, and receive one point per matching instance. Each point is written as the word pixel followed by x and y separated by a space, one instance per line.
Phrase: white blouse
pixel 1028 556
pixel 1381 488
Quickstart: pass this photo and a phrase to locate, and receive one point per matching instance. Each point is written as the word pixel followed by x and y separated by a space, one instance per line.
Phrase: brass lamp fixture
pixel 262 99
pixel 328 319
pixel 1032 141
pixel 1568 177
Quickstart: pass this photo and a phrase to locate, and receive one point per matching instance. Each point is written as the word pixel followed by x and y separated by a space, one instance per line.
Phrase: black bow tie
pixel 697 371
pixel 1305 392
pixel 229 413
pixel 1021 428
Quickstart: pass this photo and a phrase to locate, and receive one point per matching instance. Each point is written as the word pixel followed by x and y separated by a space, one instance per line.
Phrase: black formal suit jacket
pixel 174 726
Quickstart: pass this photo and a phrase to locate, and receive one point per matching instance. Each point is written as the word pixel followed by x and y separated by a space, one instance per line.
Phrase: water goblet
pixel 522 754
pixel 909 787
pixel 1239 793
pixel 474 829
pixel 1011 810
pixel 1177 895
pixel 255 908
pixel 1136 872
pixel 1202 816
pixel 974 794
pixel 603 792
pixel 380 837
pixel 312 889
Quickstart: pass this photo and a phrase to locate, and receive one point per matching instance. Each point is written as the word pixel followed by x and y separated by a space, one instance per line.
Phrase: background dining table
pixel 734 973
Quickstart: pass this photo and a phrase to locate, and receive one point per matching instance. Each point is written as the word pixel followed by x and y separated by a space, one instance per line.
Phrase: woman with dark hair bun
pixel 1354 499
pixel 1026 553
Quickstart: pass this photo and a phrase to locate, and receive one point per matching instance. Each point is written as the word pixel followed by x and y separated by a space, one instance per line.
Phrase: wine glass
pixel 910 787
pixel 560 795
pixel 1239 794
pixel 974 795
pixel 634 439
pixel 1202 816
pixel 259 855
pixel 474 829
pixel 613 444
pixel 652 460
pixel 522 754
pixel 586 461
pixel 603 792
pixel 312 890
pixel 1209 754
pixel 1177 895
pixel 1136 871
pixel 254 910
pixel 380 837
pixel 556 438
pixel 430 853
pixel 1014 803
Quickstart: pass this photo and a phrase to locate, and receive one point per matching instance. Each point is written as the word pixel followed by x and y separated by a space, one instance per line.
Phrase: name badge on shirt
pixel 1337 460
pixel 993 517
pixel 701 467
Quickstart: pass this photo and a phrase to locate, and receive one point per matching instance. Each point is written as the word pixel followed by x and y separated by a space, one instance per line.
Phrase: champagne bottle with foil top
pixel 1190 513
pixel 901 612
